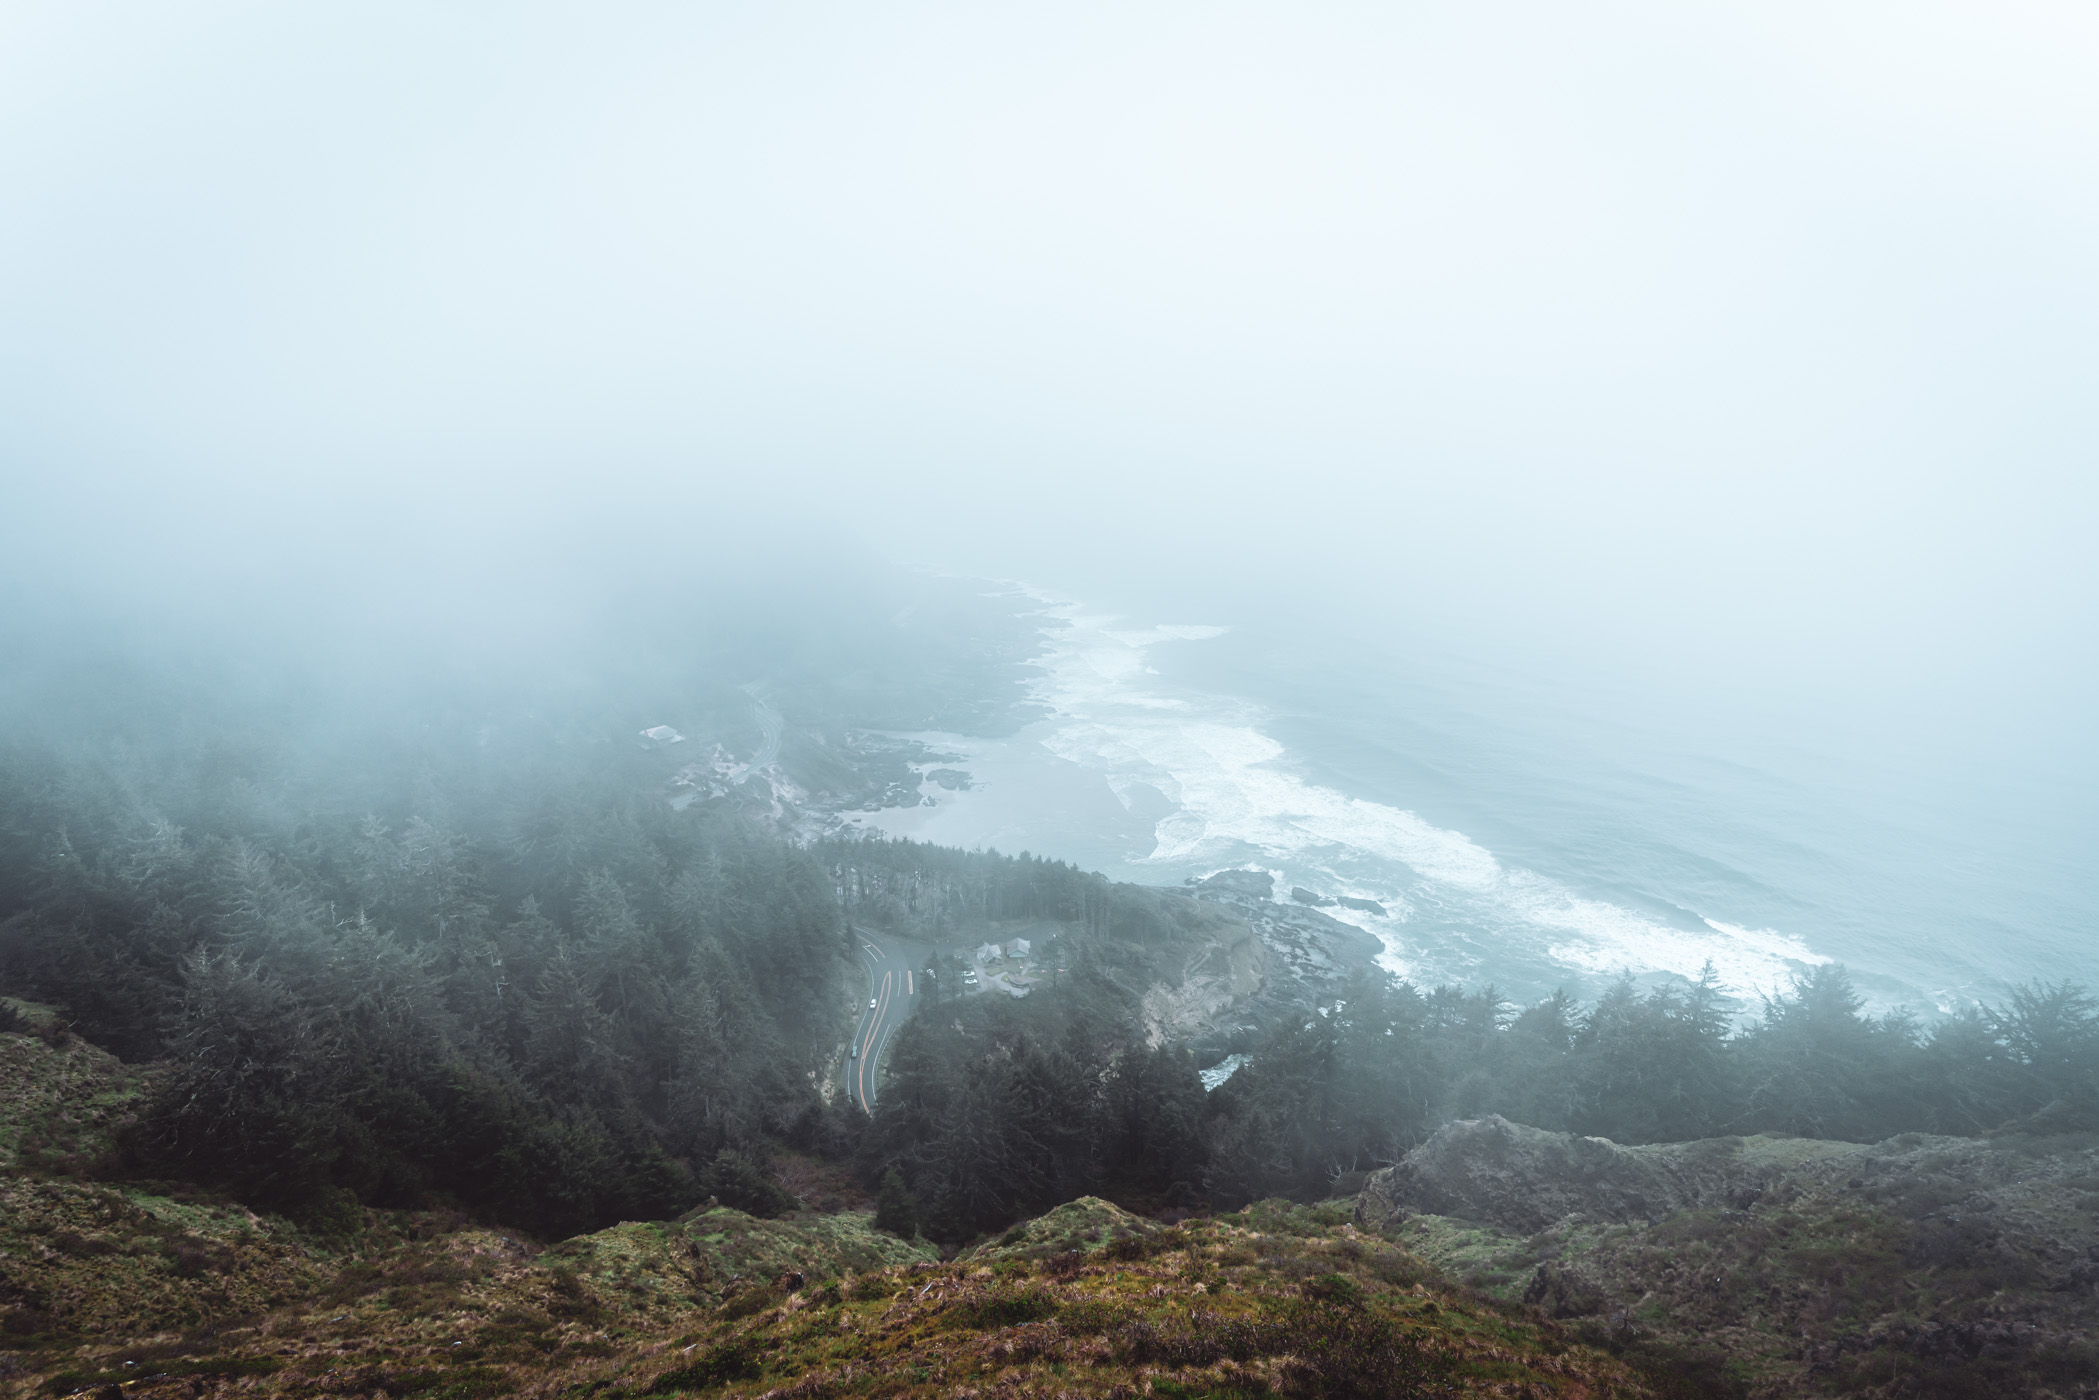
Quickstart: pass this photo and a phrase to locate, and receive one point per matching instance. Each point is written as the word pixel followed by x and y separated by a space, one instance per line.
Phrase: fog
pixel 1741 354
pixel 1323 585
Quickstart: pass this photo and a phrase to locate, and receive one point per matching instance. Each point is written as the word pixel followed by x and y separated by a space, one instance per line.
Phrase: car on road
pixel 870 1003
pixel 856 1049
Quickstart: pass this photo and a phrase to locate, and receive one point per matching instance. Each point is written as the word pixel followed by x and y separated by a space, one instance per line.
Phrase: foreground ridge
pixel 1087 1300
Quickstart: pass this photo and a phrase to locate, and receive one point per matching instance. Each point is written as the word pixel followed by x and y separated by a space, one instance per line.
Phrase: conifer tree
pixel 895 1211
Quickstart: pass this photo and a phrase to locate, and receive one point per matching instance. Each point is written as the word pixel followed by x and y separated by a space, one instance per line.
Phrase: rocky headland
pixel 1290 959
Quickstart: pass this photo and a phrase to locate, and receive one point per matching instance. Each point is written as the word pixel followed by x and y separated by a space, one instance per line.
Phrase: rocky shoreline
pixel 1294 960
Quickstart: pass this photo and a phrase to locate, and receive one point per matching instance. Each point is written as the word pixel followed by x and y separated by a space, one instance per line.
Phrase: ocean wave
pixel 1239 803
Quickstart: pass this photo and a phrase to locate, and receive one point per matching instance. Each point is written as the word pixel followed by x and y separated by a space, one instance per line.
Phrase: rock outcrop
pixel 1309 954
pixel 1519 1178
pixel 1916 1266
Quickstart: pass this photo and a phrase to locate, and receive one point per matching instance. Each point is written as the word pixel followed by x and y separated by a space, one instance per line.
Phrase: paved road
pixel 770 725
pixel 894 968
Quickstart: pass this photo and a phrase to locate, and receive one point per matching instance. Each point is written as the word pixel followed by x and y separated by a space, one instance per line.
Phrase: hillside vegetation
pixel 145 1289
pixel 1088 1301
pixel 1494 1260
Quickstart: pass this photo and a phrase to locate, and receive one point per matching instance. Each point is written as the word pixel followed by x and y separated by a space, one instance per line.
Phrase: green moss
pixel 62 1101
pixel 1084 1225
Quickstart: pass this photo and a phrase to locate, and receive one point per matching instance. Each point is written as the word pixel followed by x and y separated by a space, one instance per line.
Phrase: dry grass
pixel 1233 1306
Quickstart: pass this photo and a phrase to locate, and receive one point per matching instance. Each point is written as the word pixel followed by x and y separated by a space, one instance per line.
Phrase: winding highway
pixel 771 726
pixel 894 968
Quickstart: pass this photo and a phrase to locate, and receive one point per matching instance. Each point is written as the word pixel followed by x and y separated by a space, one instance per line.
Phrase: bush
pixel 1092 1316
pixel 1335 1290
pixel 736 1180
pixel 731 1361
pixel 1125 1248
pixel 1331 1350
pixel 1064 1265
pixel 1009 1308
pixel 751 1301
pixel 871 1288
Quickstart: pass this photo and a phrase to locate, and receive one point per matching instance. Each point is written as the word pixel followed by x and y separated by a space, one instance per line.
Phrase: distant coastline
pixel 1120 765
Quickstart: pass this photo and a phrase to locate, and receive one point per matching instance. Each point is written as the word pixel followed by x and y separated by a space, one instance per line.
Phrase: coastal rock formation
pixel 1250 962
pixel 1248 884
pixel 1222 972
pixel 1310 954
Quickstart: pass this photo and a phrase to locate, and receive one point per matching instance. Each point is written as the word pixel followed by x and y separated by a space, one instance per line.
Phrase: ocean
pixel 1525 833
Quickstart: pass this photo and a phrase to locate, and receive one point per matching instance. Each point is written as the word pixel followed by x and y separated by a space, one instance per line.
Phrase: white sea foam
pixel 1240 803
pixel 1170 633
pixel 1214 1077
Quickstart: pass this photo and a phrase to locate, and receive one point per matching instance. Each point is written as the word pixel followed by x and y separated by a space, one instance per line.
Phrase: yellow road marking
pixel 874 1028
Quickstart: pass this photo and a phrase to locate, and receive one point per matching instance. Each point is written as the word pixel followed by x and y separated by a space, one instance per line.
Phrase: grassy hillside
pixel 142 1289
pixel 1917 1267
pixel 110 1285
pixel 1087 1301
pixel 61 1099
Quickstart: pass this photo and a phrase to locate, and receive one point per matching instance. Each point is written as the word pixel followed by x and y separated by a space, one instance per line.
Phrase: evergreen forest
pixel 415 956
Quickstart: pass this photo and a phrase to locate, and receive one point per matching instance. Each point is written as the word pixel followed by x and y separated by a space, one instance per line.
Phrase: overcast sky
pixel 1755 342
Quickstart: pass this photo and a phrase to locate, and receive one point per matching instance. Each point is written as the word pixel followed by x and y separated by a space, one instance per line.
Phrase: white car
pixel 870 1003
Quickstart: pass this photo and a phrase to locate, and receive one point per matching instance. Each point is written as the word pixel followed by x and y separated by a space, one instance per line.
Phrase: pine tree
pixel 895 1211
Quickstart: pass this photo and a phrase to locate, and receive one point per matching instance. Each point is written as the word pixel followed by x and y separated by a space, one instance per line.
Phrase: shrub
pixel 1336 1290
pixel 74 1243
pixel 572 1299
pixel 736 1180
pixel 1332 1350
pixel 1063 1265
pixel 871 1288
pixel 731 1361
pixel 1091 1316
pixel 1126 1247
pixel 752 1300
pixel 1008 1308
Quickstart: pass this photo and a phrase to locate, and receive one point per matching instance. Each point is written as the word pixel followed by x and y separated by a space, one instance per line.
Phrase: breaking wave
pixel 1450 904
